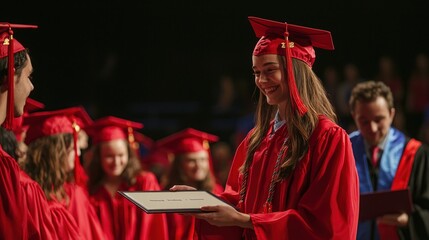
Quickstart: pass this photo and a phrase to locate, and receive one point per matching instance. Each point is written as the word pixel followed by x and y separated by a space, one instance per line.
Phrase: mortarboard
pixel 32 105
pixel 112 128
pixel 187 140
pixel 67 120
pixel 291 41
pixel 47 123
pixel 18 128
pixel 8 47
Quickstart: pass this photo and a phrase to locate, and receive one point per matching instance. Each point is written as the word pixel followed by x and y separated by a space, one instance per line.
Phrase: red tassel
pixel 10 112
pixel 132 140
pixel 80 176
pixel 76 155
pixel 296 101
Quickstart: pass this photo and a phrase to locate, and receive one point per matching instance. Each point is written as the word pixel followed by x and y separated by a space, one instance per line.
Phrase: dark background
pixel 159 63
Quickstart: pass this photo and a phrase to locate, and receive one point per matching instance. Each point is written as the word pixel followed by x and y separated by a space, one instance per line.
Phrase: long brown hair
pixel 47 164
pixel 299 127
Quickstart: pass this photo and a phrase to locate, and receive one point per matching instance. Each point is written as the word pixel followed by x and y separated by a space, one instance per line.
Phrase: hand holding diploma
pixel 399 220
pixel 219 215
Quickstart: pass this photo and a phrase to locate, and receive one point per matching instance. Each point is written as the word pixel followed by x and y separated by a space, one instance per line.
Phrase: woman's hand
pixel 224 216
pixel 399 220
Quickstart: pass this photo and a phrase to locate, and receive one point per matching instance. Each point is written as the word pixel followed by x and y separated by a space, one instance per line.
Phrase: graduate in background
pixel 387 159
pixel 52 160
pixel 293 176
pixel 115 166
pixel 50 133
pixel 44 215
pixel 191 165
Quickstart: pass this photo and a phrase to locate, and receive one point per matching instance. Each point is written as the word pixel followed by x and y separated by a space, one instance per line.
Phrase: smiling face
pixel 195 165
pixel 114 157
pixel 269 78
pixel 373 119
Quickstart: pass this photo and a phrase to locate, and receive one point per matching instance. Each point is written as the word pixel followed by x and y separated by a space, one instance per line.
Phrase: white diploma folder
pixel 172 201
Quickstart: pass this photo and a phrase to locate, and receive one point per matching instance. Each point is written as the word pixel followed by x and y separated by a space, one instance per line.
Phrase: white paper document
pixel 172 201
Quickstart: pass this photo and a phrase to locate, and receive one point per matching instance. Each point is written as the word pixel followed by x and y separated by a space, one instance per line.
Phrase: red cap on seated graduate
pixel 112 128
pixel 187 141
pixel 8 47
pixel 67 120
pixel 290 41
pixel 18 128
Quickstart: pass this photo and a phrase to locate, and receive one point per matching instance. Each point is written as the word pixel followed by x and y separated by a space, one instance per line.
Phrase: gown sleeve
pixel 37 205
pixel 84 213
pixel 13 218
pixel 63 221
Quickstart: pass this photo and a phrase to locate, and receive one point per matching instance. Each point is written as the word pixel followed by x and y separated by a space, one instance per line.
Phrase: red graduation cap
pixel 32 105
pixel 18 128
pixel 291 41
pixel 112 128
pixel 187 140
pixel 8 47
pixel 67 120
pixel 47 123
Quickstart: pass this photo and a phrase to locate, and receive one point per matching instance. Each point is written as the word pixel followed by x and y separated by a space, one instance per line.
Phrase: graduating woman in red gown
pixel 293 176
pixel 114 166
pixel 51 159
pixel 191 165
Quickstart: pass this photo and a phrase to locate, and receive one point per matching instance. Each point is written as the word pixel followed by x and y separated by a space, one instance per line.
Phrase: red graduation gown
pixel 182 227
pixel 63 221
pixel 37 206
pixel 120 219
pixel 320 200
pixel 14 222
pixel 83 212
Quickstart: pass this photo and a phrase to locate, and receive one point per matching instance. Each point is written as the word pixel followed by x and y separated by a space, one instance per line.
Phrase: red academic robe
pixel 120 219
pixel 319 200
pixel 83 212
pixel 182 227
pixel 63 221
pixel 37 206
pixel 14 222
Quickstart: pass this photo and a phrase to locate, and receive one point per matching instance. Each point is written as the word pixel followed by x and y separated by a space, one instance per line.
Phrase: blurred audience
pixel 417 95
